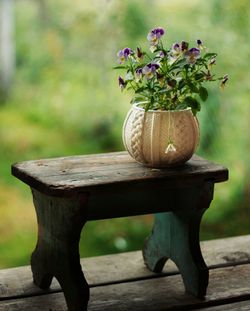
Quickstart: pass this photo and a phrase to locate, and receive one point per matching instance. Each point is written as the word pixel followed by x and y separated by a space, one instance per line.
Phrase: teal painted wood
pixel 60 221
pixel 67 192
pixel 175 236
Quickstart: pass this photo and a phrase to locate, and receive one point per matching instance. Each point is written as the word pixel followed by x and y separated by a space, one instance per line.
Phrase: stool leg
pixel 60 221
pixel 175 236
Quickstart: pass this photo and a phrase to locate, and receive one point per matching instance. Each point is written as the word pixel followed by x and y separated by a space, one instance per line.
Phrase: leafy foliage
pixel 167 79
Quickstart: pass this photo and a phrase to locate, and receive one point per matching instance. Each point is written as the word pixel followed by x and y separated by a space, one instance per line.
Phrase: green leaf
pixel 181 106
pixel 119 67
pixel 181 84
pixel 137 99
pixel 178 64
pixel 193 104
pixel 140 89
pixel 203 93
pixel 199 76
pixel 193 87
pixel 210 55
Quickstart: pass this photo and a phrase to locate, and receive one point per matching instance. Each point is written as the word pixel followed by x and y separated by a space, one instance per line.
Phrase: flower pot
pixel 160 138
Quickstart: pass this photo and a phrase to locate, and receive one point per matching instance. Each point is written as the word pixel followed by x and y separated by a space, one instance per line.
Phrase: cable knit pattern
pixel 146 136
pixel 136 136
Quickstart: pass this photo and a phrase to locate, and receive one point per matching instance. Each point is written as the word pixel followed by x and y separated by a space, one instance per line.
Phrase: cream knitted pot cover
pixel 160 138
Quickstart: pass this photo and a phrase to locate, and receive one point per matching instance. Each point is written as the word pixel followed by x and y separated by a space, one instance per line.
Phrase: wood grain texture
pixel 226 286
pixel 59 176
pixel 108 269
pixel 57 252
pixel 176 236
pixel 69 191
pixel 236 306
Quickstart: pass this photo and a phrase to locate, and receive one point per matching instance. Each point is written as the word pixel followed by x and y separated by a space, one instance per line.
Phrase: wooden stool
pixel 69 191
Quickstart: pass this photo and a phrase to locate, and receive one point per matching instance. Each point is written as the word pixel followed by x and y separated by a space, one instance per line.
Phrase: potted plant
pixel 161 128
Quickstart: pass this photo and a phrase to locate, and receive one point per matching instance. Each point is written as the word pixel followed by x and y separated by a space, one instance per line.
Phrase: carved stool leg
pixel 175 236
pixel 60 221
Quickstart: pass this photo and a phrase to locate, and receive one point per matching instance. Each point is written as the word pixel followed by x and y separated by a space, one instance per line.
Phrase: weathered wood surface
pixel 82 173
pixel 236 306
pixel 110 269
pixel 113 274
pixel 226 286
pixel 69 191
pixel 175 236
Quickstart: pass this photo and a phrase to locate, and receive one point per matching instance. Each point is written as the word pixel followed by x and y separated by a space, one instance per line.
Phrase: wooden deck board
pixel 166 293
pixel 121 282
pixel 127 266
pixel 236 306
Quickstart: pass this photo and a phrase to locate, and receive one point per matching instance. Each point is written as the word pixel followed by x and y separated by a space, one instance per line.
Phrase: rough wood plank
pixel 81 173
pixel 236 306
pixel 127 266
pixel 149 295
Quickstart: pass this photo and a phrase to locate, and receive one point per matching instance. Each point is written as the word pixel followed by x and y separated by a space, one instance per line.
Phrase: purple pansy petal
pixel 120 53
pixel 154 35
pixel 153 66
pixel 127 52
pixel 192 55
pixel 159 32
pixel 151 37
pixel 138 71
pixel 121 58
pixel 124 54
pixel 162 54
pixel 175 50
pixel 156 66
pixel 176 47
pixel 149 70
pixel 194 51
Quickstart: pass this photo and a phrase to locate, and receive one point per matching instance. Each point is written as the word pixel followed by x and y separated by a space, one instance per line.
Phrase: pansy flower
pixel 184 46
pixel 223 81
pixel 200 45
pixel 154 36
pixel 122 83
pixel 208 76
pixel 212 62
pixel 160 78
pixel 192 55
pixel 161 54
pixel 124 54
pixel 138 74
pixel 176 50
pixel 139 53
pixel 172 83
pixel 149 70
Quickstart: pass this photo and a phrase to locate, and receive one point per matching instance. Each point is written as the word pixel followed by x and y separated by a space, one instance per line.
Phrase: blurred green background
pixel 64 100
